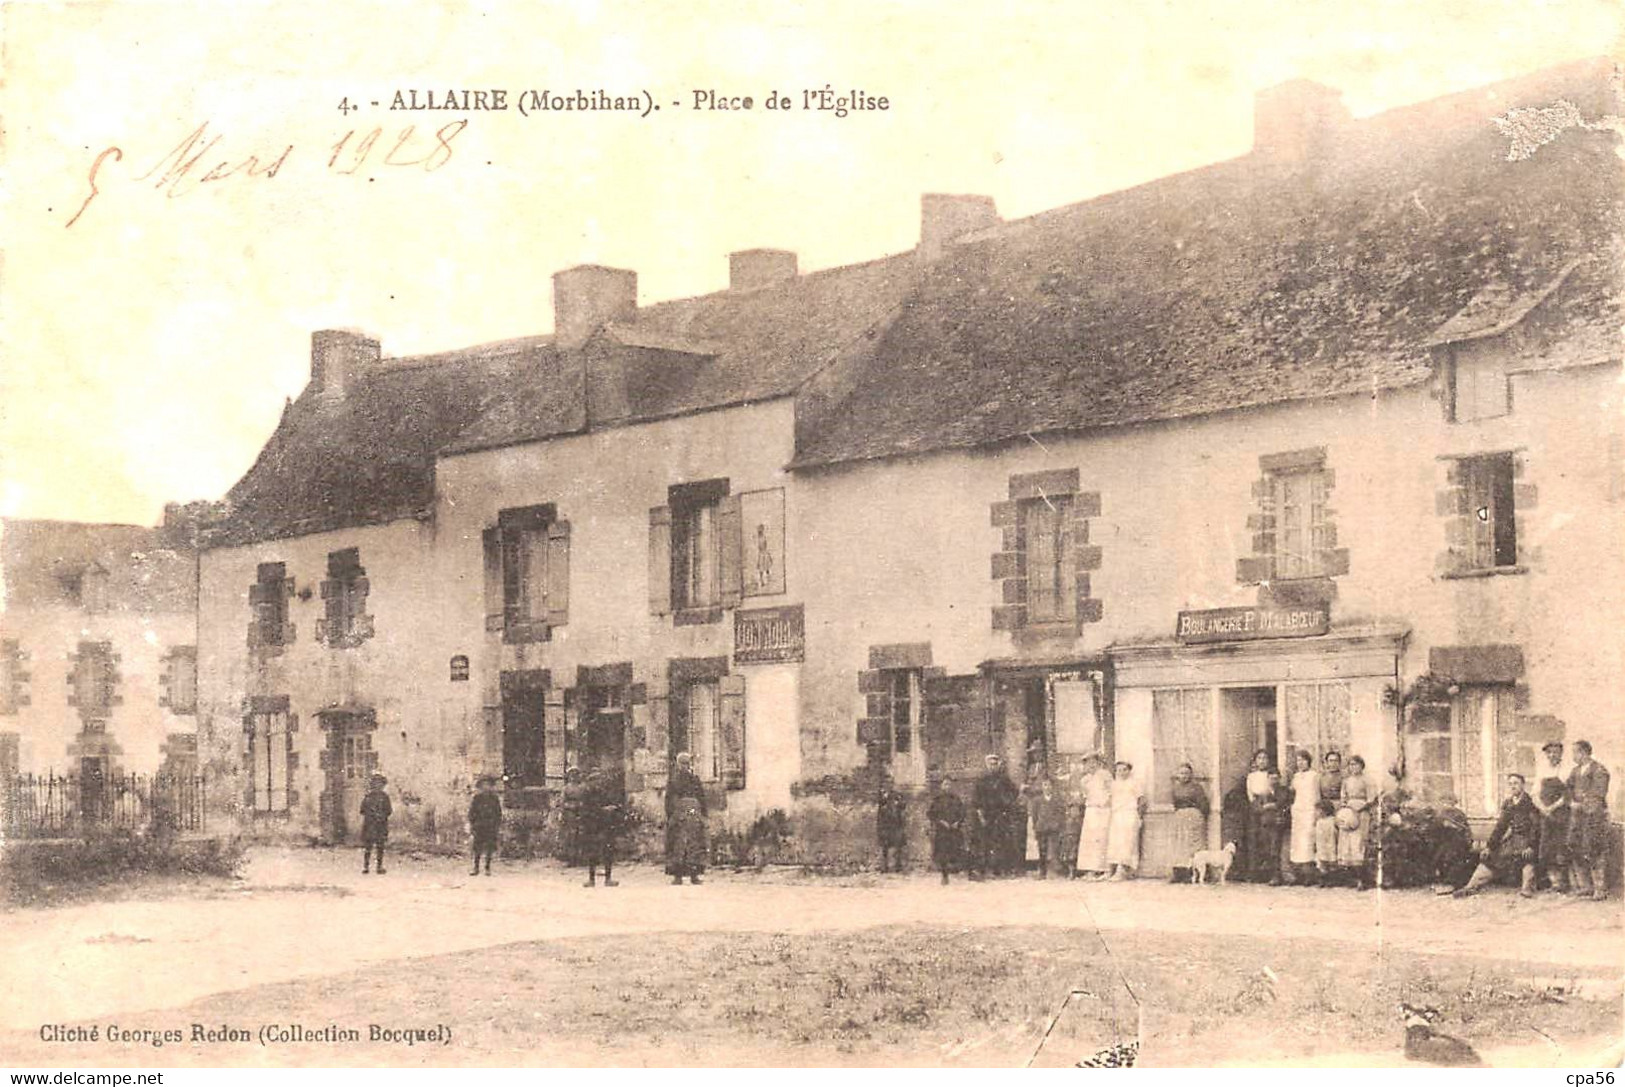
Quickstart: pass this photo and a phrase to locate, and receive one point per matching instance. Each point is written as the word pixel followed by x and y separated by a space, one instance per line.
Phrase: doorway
pixel 351 762
pixel 603 748
pixel 1247 722
pixel 93 788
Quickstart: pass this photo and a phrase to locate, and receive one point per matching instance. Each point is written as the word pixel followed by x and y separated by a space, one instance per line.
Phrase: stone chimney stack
pixel 339 357
pixel 1296 121
pixel 752 269
pixel 945 217
pixel 589 296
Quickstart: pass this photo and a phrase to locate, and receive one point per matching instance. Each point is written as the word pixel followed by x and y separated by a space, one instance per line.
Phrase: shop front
pixel 1236 681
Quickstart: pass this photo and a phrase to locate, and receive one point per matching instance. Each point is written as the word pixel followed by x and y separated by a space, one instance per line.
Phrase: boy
pixel 375 812
pixel 484 822
pixel 890 817
pixel 601 826
pixel 946 816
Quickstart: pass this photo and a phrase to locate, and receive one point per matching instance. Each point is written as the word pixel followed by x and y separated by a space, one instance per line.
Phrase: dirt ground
pixel 527 967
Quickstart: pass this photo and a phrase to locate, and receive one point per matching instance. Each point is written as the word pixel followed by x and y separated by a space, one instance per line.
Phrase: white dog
pixel 1220 859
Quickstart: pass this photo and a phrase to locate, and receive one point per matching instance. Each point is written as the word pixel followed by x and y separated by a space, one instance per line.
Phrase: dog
pixel 1220 859
pixel 1423 1043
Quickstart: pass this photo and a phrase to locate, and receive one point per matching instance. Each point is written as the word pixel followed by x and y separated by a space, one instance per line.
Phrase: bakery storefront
pixel 1233 681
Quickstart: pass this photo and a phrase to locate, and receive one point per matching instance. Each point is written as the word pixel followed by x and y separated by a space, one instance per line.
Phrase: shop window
pixel 268 598
pixel 345 622
pixel 1317 718
pixel 269 740
pixel 1477 386
pixel 179 681
pixel 527 576
pixel 1483 739
pixel 1181 732
pixel 1494 536
pixel 695 552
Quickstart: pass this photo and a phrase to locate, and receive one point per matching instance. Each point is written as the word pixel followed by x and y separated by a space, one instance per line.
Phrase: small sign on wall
pixel 1251 624
pixel 459 669
pixel 769 635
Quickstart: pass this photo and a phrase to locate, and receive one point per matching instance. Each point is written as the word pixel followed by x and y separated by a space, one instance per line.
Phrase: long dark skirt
pixel 948 849
pixel 687 848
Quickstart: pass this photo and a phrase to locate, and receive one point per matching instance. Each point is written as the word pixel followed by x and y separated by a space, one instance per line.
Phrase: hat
pixel 378 779
pixel 1348 819
pixel 1549 744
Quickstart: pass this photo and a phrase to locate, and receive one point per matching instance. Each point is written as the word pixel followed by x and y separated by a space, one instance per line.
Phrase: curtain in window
pixel 1318 719
pixel 533 577
pixel 1180 732
pixel 1050 578
pixel 270 750
pixel 702 728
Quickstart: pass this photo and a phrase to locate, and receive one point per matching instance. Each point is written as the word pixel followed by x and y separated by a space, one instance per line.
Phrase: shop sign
pixel 769 635
pixel 1250 624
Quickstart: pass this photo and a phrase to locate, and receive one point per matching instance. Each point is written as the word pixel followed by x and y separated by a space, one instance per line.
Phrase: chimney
pixel 1295 121
pixel 589 296
pixel 751 269
pixel 338 358
pixel 945 217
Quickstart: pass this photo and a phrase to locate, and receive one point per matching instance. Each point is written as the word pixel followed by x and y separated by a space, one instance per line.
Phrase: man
pixel 485 822
pixel 992 802
pixel 891 816
pixel 375 813
pixel 1047 810
pixel 1588 823
pixel 1552 799
pixel 1512 845
pixel 601 818
pixel 687 844
pixel 946 818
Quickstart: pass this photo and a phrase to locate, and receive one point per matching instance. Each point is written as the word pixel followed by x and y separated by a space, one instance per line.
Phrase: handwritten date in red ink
pixel 199 160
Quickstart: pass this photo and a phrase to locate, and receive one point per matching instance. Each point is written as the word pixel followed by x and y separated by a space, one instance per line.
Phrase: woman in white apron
pixel 1305 814
pixel 1097 817
pixel 1123 840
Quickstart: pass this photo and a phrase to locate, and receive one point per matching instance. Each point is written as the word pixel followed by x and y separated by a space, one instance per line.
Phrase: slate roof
pixel 1251 282
pixel 148 571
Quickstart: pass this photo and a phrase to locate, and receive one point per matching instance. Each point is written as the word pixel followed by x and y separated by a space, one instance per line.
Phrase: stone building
pixel 1315 448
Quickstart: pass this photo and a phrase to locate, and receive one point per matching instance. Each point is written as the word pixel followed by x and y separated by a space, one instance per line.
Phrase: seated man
pixel 1512 844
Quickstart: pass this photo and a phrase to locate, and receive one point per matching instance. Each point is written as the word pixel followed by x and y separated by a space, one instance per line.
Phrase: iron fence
pixel 68 806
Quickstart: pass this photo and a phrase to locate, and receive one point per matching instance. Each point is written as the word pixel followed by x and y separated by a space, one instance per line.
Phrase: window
pixel 1051 577
pixel 1318 718
pixel 700 723
pixel 268 761
pixel 527 573
pixel 1299 500
pixel 1493 534
pixel 1292 527
pixel 696 558
pixel 905 710
pixel 1478 386
pixel 1479 715
pixel 1180 732
pixel 695 552
pixel 357 757
pixel 268 597
pixel 345 621
pixel 180 680
pixel 13 679
pixel 94 680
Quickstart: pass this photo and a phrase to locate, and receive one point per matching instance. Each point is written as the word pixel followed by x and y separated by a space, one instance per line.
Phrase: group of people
pixel 1326 826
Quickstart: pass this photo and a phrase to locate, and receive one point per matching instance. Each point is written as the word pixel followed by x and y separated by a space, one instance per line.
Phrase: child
pixel 1048 812
pixel 947 818
pixel 891 815
pixel 375 812
pixel 484 822
pixel 601 828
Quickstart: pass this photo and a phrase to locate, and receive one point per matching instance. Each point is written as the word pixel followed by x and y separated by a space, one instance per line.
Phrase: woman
pixel 1190 820
pixel 686 846
pixel 1259 863
pixel 1331 792
pixel 1097 817
pixel 1354 821
pixel 1127 808
pixel 1300 852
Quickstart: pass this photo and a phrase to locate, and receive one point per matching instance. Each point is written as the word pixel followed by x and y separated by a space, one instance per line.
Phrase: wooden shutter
pixel 555 754
pixel 732 730
pixel 731 544
pixel 558 573
pixel 492 539
pixel 658 737
pixel 660 560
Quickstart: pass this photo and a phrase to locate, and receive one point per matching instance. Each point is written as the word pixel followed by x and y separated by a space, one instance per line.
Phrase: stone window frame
pixel 877 685
pixel 1263 565
pixel 14 678
pixel 106 698
pixel 345 623
pixel 264 706
pixel 270 631
pixel 666 549
pixel 731 735
pixel 1009 564
pixel 166 681
pixel 1454 503
pixel 505 583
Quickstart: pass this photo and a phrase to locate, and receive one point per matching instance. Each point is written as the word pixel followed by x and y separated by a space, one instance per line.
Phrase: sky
pixel 152 322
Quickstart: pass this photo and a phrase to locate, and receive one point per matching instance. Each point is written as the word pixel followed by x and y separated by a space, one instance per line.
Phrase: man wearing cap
pixel 1512 845
pixel 375 812
pixel 485 822
pixel 1588 824
pixel 1552 799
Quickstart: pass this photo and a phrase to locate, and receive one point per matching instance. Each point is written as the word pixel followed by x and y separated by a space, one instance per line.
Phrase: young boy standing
pixel 485 822
pixel 375 812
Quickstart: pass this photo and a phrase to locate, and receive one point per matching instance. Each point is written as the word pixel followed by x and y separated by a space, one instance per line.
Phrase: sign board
pixel 769 635
pixel 1251 624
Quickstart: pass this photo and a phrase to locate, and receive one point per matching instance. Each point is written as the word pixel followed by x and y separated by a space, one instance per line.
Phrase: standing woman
pixel 1331 794
pixel 686 845
pixel 1097 818
pixel 1300 852
pixel 1128 808
pixel 1260 864
pixel 1354 821
pixel 1191 807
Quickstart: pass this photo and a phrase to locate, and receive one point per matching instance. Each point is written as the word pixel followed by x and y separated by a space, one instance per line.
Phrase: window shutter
pixel 558 573
pixel 492 540
pixel 555 757
pixel 732 689
pixel 659 722
pixel 730 541
pixel 660 560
